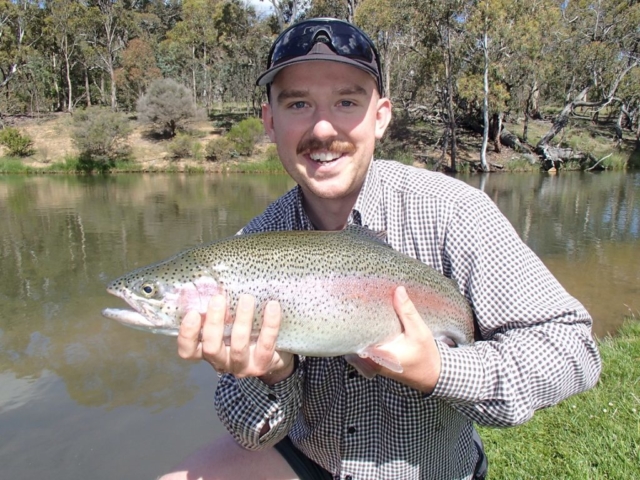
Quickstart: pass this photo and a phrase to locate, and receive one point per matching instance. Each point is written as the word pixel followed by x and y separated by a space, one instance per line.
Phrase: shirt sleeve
pixel 245 405
pixel 536 346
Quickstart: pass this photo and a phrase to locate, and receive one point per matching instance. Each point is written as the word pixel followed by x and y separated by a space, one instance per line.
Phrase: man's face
pixel 325 118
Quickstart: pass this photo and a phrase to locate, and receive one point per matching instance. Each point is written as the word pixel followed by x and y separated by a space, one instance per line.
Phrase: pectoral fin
pixel 369 361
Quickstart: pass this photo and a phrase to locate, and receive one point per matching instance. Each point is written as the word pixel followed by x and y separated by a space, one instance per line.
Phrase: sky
pixel 261 7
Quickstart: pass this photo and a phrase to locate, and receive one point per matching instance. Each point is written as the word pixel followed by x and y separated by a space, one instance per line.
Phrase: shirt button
pixel 351 430
pixel 348 477
pixel 272 397
pixel 353 374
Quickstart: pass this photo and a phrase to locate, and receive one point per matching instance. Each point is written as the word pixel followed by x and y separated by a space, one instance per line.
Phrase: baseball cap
pixel 326 39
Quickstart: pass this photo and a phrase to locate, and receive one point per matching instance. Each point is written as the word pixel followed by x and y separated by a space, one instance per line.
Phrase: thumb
pixel 407 312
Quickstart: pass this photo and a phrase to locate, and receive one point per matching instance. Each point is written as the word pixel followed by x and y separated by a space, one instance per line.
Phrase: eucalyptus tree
pixel 109 28
pixel 197 33
pixel 20 30
pixel 287 12
pixel 530 70
pixel 490 29
pixel 344 9
pixel 64 27
pixel 243 45
pixel 603 47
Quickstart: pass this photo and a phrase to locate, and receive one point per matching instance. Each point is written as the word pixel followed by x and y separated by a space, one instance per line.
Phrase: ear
pixel 383 116
pixel 267 121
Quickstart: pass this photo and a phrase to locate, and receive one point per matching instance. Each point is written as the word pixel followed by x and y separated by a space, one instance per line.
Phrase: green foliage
pixel 245 135
pixel 18 145
pixel 521 164
pixel 166 106
pixel 269 163
pixel 182 146
pixel 220 149
pixel 393 149
pixel 12 165
pixel 100 135
pixel 593 435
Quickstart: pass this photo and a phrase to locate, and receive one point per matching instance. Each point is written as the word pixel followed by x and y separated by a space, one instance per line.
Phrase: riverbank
pixel 595 435
pixel 418 144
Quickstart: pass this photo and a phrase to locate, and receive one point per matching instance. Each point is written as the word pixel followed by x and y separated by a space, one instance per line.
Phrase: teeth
pixel 324 156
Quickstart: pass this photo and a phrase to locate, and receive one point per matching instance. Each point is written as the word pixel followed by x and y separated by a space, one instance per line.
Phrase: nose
pixel 323 126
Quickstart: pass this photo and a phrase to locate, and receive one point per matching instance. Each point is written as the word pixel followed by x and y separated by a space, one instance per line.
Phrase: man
pixel 293 417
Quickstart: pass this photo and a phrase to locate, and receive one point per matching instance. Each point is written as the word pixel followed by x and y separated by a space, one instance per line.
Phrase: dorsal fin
pixel 376 236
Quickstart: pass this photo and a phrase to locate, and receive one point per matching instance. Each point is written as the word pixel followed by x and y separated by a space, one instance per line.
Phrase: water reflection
pixel 63 238
pixel 65 369
pixel 586 228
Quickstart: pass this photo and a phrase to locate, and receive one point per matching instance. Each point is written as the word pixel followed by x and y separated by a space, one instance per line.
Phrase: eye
pixel 298 105
pixel 148 289
pixel 346 103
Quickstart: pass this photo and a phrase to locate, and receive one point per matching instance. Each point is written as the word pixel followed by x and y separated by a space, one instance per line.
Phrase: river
pixel 84 397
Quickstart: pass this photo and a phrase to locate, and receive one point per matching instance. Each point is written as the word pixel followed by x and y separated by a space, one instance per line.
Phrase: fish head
pixel 162 294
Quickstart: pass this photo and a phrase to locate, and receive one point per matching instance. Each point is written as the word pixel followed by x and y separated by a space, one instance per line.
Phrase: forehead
pixel 323 74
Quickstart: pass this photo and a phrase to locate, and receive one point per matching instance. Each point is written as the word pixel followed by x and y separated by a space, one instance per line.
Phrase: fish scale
pixel 335 289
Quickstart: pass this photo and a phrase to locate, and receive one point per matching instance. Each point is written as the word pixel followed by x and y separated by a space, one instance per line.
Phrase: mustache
pixel 313 144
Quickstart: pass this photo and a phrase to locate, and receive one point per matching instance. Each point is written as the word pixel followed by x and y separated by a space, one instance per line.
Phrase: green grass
pixel 594 435
pixel 521 164
pixel 13 165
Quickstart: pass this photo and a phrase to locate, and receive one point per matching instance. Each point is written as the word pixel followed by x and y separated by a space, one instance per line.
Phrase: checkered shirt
pixel 535 349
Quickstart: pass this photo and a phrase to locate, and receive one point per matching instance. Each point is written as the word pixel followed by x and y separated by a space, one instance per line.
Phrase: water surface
pixel 84 397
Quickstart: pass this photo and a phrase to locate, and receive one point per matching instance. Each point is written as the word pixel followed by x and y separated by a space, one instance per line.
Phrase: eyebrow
pixel 285 95
pixel 352 90
pixel 288 94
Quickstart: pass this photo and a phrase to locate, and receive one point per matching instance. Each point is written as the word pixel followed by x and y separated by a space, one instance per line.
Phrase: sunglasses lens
pixel 298 40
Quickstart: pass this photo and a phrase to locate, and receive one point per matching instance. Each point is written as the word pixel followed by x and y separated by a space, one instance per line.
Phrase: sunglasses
pixel 342 37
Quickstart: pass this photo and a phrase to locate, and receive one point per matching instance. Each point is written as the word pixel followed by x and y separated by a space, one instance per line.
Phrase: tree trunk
pixel 485 106
pixel 87 87
pixel 69 85
pixel 562 119
pixel 495 128
pixel 451 113
pixel 55 83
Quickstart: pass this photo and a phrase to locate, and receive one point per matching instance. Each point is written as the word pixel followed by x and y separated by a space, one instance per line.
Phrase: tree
pixel 166 105
pixel 138 70
pixel 19 31
pixel 64 21
pixel 604 48
pixel 111 25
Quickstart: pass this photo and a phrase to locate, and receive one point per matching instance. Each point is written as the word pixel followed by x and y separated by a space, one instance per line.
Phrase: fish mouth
pixel 137 320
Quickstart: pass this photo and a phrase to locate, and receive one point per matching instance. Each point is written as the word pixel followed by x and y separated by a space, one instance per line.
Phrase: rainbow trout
pixel 335 290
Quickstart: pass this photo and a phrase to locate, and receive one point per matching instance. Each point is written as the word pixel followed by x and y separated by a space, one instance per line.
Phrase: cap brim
pixel 269 75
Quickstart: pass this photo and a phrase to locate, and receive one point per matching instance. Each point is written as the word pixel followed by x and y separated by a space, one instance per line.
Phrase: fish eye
pixel 148 289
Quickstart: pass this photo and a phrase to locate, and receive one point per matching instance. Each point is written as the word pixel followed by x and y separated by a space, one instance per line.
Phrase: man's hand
pixel 415 348
pixel 202 337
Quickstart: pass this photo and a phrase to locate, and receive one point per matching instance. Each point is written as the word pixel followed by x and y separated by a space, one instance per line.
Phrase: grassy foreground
pixel 595 435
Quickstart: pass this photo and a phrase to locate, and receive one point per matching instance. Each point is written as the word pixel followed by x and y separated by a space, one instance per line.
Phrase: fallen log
pixel 513 142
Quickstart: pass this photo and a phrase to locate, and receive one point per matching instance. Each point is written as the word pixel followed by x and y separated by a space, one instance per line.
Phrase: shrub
pixel 18 145
pixel 100 134
pixel 246 134
pixel 182 146
pixel 220 150
pixel 167 105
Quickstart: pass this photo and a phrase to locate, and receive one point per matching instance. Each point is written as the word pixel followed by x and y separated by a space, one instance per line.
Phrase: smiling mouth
pixel 325 157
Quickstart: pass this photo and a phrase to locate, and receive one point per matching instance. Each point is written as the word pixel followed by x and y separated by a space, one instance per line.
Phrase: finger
pixel 407 312
pixel 268 334
pixel 241 333
pixel 189 346
pixel 213 328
